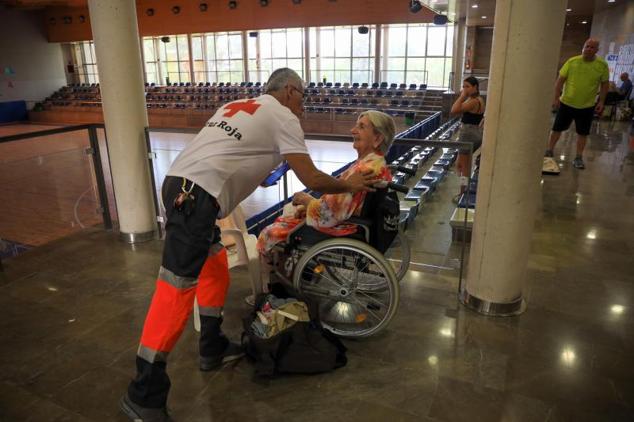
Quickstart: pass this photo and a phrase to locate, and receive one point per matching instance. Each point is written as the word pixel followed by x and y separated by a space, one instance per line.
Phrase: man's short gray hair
pixel 281 77
pixel 383 124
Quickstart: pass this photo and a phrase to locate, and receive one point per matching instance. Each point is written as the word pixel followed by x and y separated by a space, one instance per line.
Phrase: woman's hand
pixel 302 198
pixel 300 212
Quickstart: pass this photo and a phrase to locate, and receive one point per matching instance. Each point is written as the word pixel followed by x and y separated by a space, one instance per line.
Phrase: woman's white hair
pixel 383 124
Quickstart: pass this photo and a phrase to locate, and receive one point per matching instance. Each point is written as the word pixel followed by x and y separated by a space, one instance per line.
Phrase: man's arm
pixel 559 87
pixel 602 94
pixel 319 181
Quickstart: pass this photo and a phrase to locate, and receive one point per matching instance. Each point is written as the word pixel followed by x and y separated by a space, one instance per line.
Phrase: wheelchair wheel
pixel 398 254
pixel 335 274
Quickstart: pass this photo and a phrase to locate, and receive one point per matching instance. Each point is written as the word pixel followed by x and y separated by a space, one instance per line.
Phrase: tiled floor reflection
pixel 72 312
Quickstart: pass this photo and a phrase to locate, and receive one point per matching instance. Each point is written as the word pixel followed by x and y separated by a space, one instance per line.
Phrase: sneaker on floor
pixel 548 153
pixel 578 163
pixel 143 414
pixel 232 352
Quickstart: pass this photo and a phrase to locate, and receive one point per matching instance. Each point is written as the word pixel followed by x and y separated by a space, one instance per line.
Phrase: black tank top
pixel 473 118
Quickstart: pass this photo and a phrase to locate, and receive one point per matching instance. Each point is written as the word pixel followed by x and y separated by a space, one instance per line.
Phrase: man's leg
pixel 552 141
pixel 215 348
pixel 583 123
pixel 189 232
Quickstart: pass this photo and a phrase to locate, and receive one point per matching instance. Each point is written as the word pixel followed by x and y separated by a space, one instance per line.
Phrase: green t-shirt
pixel 583 80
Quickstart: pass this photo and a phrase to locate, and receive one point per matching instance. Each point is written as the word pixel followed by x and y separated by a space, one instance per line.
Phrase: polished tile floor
pixel 72 311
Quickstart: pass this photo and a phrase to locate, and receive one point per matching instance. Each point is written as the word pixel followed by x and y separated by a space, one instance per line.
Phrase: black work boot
pixel 215 347
pixel 144 414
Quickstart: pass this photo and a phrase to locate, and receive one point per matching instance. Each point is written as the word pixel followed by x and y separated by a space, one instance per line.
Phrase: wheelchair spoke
pixel 365 307
pixel 371 298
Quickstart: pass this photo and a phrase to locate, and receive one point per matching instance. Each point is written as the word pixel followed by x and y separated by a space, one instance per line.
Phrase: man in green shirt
pixel 575 96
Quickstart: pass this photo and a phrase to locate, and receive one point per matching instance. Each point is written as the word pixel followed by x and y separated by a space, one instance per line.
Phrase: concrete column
pixel 526 42
pixel 460 37
pixel 116 37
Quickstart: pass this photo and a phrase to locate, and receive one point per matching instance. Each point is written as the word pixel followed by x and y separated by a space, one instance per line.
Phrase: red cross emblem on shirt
pixel 248 106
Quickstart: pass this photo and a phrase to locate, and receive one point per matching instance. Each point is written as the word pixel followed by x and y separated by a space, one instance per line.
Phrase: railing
pixel 54 182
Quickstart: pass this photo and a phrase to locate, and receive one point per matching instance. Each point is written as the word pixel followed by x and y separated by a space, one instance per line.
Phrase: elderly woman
pixel 372 136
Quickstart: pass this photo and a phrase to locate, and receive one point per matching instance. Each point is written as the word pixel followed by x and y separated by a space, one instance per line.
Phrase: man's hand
pixel 362 181
pixel 556 103
pixel 598 109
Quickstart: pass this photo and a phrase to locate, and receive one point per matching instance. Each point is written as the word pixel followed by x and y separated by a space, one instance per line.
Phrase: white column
pixel 526 42
pixel 460 38
pixel 116 37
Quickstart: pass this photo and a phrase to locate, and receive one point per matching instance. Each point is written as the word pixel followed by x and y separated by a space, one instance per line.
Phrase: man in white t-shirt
pixel 232 154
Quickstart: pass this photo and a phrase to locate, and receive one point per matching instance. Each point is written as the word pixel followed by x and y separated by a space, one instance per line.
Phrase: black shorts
pixel 582 117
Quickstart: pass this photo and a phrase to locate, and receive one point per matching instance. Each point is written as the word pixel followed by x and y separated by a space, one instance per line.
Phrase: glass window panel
pixel 171 51
pixel 436 41
pixel 87 54
pixel 197 47
pixel 236 77
pixel 222 47
pixel 450 30
pixel 361 77
pixel 360 44
pixel 396 41
pixel 223 65
pixel 448 64
pixel 161 49
pixel 342 76
pixel 415 77
pixel 252 47
pixel 327 43
pixel 361 64
pixel 277 63
pixel 184 67
pixel 312 39
pixel 278 40
pixel 185 77
pixel 395 77
pixel 295 42
pixel 183 48
pixel 417 63
pixel 235 46
pixel 236 65
pixel 435 69
pixel 297 65
pixel 199 66
pixel 342 41
pixel 148 49
pixel 416 37
pixel 395 63
pixel 342 64
pixel 224 76
pixel 327 63
pixel 210 47
pixel 172 67
pixel 265 44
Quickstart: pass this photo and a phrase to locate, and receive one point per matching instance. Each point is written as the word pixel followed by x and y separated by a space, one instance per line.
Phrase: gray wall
pixel 614 25
pixel 38 64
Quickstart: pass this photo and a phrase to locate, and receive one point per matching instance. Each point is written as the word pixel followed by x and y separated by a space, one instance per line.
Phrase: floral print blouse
pixel 327 213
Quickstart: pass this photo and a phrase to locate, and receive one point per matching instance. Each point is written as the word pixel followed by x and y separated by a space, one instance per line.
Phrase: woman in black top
pixel 471 105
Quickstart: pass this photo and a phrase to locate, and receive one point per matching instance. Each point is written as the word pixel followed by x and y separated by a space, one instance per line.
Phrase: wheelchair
pixel 352 280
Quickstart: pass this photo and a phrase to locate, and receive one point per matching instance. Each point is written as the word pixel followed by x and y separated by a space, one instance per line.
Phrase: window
pixel 341 54
pixel 275 48
pixel 85 61
pixel 418 54
pixel 166 62
pixel 221 55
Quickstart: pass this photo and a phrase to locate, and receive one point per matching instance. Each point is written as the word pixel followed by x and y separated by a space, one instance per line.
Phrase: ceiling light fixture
pixel 415 6
pixel 264 3
pixel 297 1
pixel 203 7
pixel 584 22
pixel 233 4
pixel 569 10
pixel 475 6
pixel 484 17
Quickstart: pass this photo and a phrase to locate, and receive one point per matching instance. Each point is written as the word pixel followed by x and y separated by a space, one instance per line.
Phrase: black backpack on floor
pixel 303 348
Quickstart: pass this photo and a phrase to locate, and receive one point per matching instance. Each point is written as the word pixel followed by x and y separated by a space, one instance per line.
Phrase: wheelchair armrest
pixel 360 221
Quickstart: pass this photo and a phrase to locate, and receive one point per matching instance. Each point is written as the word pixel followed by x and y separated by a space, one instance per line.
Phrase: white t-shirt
pixel 238 148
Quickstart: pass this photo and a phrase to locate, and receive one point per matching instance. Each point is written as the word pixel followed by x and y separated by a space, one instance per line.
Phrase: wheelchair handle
pixel 394 186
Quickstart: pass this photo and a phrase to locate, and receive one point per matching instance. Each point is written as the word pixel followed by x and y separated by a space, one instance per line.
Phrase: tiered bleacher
pixel 194 103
